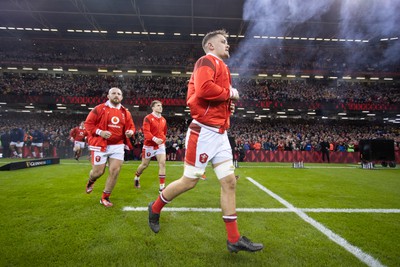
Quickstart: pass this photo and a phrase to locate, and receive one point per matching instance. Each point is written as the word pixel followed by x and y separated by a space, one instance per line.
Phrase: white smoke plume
pixel 347 19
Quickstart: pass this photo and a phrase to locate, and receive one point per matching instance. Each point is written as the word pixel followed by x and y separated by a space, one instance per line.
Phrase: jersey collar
pixel 108 103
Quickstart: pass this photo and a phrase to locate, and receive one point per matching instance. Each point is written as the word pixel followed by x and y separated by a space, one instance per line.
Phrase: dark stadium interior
pixel 309 47
pixel 167 16
pixel 179 16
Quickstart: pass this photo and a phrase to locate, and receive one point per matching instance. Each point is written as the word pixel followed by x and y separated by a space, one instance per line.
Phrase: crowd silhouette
pixel 268 135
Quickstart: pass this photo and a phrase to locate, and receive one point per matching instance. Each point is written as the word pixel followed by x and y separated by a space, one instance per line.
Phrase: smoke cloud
pixel 343 19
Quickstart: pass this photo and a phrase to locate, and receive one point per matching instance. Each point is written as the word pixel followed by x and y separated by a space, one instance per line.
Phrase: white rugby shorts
pixel 20 144
pixel 37 144
pixel 112 151
pixel 149 151
pixel 204 144
pixel 80 144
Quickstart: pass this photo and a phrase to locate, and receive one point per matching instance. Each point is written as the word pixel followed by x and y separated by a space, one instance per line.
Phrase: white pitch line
pixel 288 165
pixel 352 210
pixel 185 209
pixel 357 252
pixel 269 210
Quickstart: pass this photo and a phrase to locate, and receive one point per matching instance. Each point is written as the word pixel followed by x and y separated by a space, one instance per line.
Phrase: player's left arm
pixel 206 87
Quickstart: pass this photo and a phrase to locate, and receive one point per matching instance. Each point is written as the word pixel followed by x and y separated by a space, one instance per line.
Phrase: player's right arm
pixel 91 123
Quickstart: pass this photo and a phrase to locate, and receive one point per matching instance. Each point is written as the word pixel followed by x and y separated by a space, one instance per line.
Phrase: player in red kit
pixel 155 131
pixel 109 126
pixel 78 136
pixel 211 99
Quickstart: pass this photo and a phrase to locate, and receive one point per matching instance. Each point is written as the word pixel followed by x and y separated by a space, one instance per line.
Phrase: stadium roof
pixel 165 19
pixel 159 19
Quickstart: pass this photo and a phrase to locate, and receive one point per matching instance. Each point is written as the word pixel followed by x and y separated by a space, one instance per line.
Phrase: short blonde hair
pixel 211 35
pixel 155 102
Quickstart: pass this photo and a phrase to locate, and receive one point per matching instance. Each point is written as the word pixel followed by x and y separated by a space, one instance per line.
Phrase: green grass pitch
pixel 48 219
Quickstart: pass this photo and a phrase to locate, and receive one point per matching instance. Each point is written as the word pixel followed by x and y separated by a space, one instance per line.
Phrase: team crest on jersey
pixel 114 120
pixel 97 159
pixel 203 158
pixel 148 154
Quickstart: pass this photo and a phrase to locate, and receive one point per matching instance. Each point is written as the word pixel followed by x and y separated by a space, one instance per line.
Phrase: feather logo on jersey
pixel 114 120
pixel 203 158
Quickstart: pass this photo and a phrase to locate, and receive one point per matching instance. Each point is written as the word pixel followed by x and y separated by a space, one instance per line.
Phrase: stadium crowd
pixel 249 134
pixel 40 84
pixel 274 56
pixel 271 135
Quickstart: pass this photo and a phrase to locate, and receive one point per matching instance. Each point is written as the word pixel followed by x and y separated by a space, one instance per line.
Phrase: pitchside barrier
pixel 29 164
pixel 287 156
pixel 27 153
pixel 297 156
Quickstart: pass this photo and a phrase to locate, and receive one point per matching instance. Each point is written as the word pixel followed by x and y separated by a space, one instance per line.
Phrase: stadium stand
pixel 87 88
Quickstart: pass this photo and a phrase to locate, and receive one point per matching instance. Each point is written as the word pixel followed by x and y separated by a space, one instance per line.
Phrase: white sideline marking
pixel 185 209
pixel 288 165
pixel 353 210
pixel 357 252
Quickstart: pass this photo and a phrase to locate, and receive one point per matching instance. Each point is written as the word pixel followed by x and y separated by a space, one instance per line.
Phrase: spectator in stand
pixel 155 132
pixel 341 147
pixel 257 145
pixel 246 146
pixel 350 147
pixel 16 142
pixel 308 146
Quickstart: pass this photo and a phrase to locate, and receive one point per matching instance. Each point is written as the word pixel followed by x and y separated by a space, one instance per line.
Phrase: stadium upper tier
pixel 260 98
pixel 337 60
pixel 286 79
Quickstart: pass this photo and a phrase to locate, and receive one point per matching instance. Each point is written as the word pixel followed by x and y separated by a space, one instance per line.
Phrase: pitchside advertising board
pixel 29 164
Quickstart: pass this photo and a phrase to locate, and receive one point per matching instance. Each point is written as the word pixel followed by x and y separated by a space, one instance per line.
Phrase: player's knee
pixel 161 165
pixel 96 173
pixel 224 169
pixel 188 183
pixel 228 183
pixel 144 165
pixel 114 169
